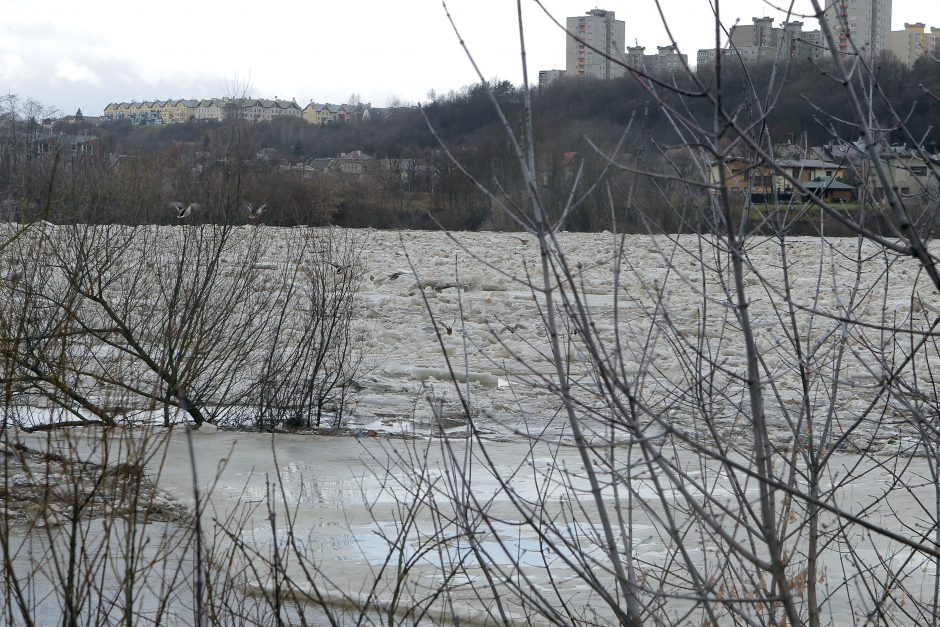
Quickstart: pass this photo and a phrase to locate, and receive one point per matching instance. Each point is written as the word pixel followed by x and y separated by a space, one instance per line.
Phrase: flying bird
pixel 339 269
pixel 252 212
pixel 450 327
pixel 184 212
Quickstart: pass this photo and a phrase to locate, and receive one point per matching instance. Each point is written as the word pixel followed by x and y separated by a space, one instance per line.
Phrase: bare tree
pixel 737 436
pixel 742 436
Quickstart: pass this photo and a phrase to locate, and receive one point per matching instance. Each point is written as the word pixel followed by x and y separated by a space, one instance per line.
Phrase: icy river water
pixel 346 501
pixel 662 305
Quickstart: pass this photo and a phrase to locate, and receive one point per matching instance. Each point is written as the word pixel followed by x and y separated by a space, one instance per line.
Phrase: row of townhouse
pixel 160 112
pixel 152 112
pixel 325 113
pixel 177 111
pixel 832 171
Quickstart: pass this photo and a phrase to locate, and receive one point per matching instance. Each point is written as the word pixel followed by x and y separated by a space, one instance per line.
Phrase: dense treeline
pixel 412 182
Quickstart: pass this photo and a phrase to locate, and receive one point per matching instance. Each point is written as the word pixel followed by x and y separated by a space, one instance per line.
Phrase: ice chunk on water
pixel 483 378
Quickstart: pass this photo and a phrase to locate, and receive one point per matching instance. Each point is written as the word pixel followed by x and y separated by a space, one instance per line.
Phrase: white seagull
pixel 340 269
pixel 252 212
pixel 184 213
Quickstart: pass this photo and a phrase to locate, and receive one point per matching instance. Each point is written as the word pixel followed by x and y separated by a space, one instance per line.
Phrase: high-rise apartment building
pixel 667 59
pixel 597 30
pixel 762 41
pixel 914 42
pixel 863 25
pixel 547 77
pixel 760 34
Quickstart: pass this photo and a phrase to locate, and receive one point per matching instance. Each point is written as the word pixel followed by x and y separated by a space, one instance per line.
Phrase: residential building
pixel 159 112
pixel 66 144
pixel 830 189
pixel 666 59
pixel 801 44
pixel 741 35
pixel 849 154
pixel 706 57
pixel 319 164
pixel 755 54
pixel 266 110
pixel 914 42
pixel 806 171
pixel 814 44
pixel 145 113
pixel 320 113
pixel 177 111
pixel 914 176
pixel 744 54
pixel 595 45
pixel 744 176
pixel 635 56
pixel 764 33
pixel 757 41
pixel 355 162
pixel 764 183
pixel 762 41
pixel 78 118
pixel 547 77
pixel 326 113
pixel 860 25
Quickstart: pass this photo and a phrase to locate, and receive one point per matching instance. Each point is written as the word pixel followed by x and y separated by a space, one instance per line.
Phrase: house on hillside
pixel 76 145
pixel 319 164
pixel 745 176
pixel 326 113
pixel 355 162
pixel 915 177
pixel 78 119
pixel 177 111
pixel 806 170
pixel 830 189
pixel 848 154
pixel 764 182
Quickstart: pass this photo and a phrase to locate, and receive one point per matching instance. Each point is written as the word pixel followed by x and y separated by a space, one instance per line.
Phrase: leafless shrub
pixel 309 362
pixel 114 326
pixel 109 319
pixel 744 457
pixel 85 536
pixel 742 437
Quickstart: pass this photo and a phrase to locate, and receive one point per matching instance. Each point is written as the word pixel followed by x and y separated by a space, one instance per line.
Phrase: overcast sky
pixel 71 54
